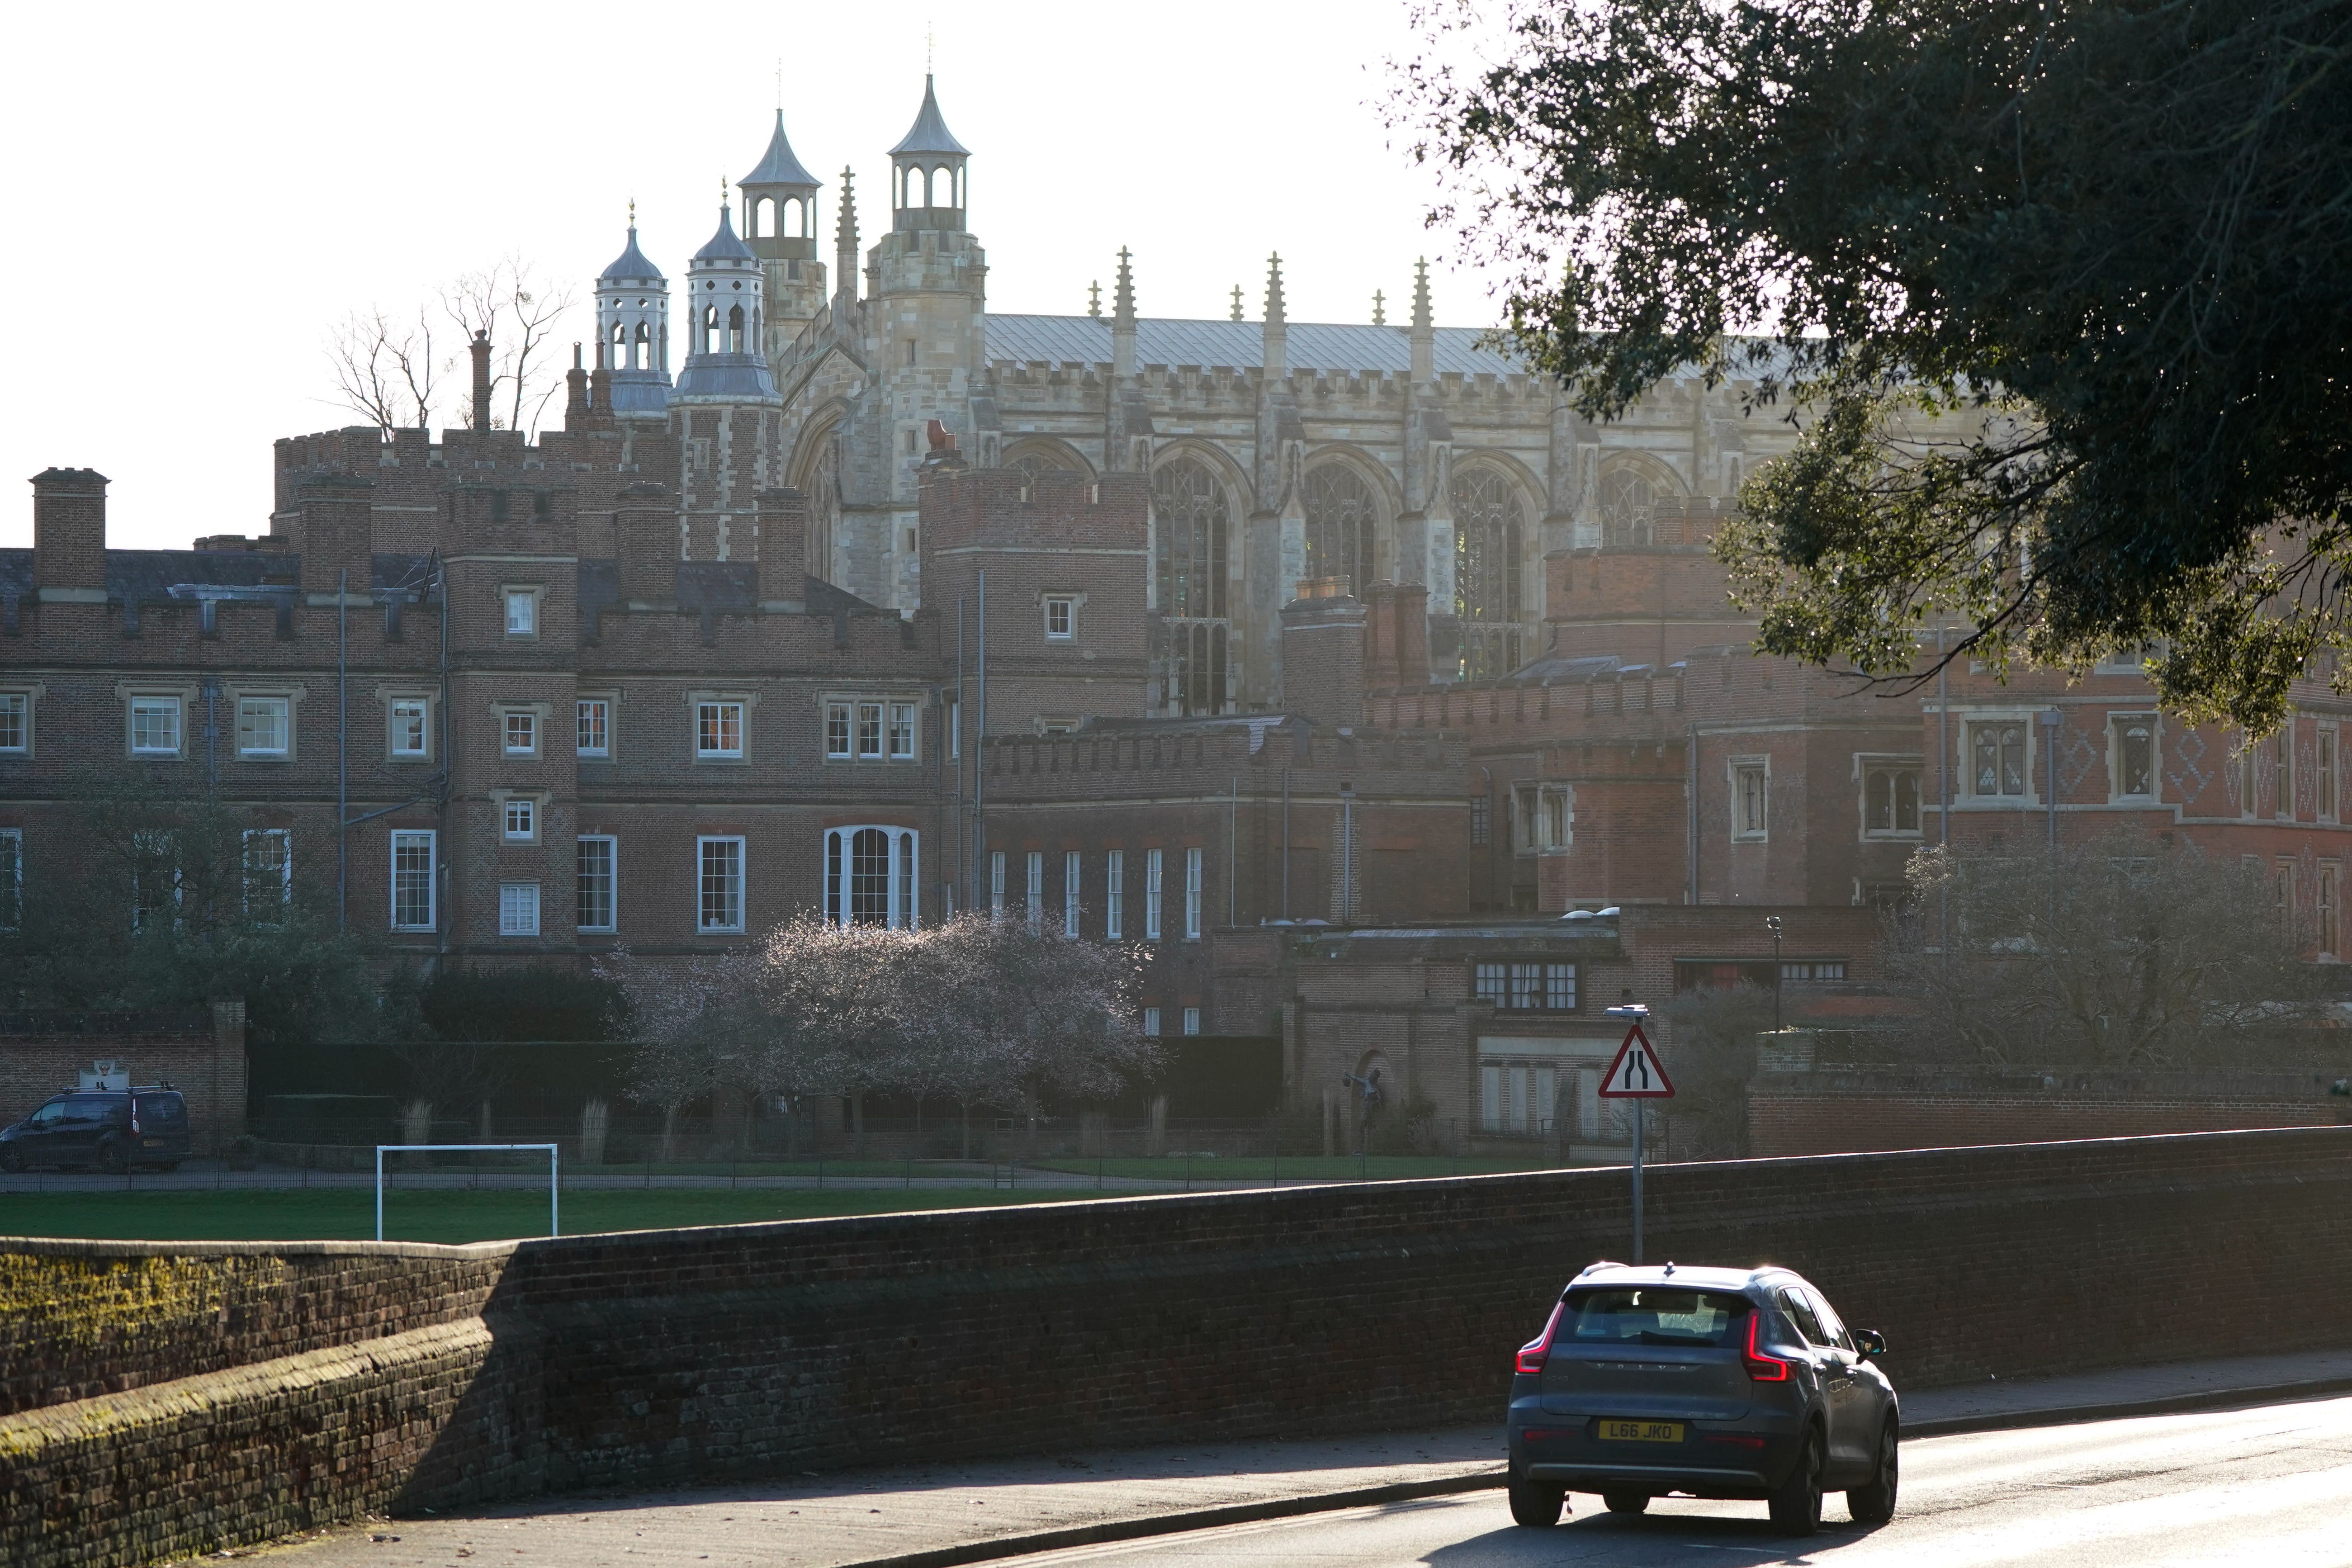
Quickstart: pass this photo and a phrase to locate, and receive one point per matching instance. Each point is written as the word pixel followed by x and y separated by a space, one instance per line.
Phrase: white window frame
pixel 2118 720
pixel 1738 771
pixel 1152 863
pixel 155 701
pixel 1037 903
pixel 1067 604
pixel 996 884
pixel 878 727
pixel 2327 761
pixel 1895 765
pixel 902 878
pixel 285 840
pixel 519 808
pixel 1115 895
pixel 840 730
pixel 869 721
pixel 1192 1020
pixel 2027 719
pixel 717 708
pixel 394 701
pixel 526 597
pixel 703 923
pixel 529 718
pixel 1071 870
pixel 16 704
pixel 12 877
pixel 612 873
pixel 282 753
pixel 598 711
pixel 1193 888
pixel 1151 1022
pixel 429 840
pixel 899 722
pixel 518 908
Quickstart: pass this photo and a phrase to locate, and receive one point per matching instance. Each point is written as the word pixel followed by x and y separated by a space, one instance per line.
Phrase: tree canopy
pixel 2058 292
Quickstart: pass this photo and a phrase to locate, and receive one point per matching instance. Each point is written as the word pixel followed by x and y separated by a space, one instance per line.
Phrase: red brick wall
pixel 205 1061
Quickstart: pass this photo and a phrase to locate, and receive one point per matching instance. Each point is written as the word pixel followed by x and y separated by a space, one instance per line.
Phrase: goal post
pixel 554 1180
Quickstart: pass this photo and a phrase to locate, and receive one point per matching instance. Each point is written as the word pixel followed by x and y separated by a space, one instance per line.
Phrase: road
pixel 2270 1485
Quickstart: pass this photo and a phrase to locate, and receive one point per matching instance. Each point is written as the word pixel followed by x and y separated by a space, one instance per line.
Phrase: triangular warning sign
pixel 1637 1074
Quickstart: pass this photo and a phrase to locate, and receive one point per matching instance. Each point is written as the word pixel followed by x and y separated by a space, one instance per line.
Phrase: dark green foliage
pixel 534 1003
pixel 2060 295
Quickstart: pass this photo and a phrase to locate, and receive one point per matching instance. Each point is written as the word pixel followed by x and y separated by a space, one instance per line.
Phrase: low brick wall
pixel 656 1357
pixel 200 1054
pixel 1852 1111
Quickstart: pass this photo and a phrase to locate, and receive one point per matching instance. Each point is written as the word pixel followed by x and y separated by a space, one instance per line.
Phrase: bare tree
pixel 384 368
pixel 521 312
pixel 1714 1058
pixel 2121 951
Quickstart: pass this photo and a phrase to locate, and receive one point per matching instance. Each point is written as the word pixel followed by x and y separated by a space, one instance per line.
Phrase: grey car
pixel 1711 1383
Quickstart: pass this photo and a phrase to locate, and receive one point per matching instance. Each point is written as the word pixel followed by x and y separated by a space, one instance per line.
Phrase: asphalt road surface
pixel 2270 1485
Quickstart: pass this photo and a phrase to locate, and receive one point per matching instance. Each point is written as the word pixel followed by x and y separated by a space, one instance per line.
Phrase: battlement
pixel 966 509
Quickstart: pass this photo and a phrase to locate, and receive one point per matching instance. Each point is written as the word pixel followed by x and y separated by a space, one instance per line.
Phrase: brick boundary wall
pixel 1792 1115
pixel 660 1357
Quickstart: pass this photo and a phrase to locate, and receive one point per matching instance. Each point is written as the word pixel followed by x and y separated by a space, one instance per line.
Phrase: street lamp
pixel 1772 924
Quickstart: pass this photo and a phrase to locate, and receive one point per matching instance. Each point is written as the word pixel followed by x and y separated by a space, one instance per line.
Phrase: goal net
pixel 436 1186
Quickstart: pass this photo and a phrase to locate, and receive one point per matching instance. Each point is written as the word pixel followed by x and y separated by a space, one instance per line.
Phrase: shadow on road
pixel 1601 1537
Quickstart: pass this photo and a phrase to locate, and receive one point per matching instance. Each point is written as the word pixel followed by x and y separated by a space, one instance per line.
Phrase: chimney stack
pixel 1396 637
pixel 1323 652
pixel 575 392
pixel 481 347
pixel 338 533
pixel 784 544
pixel 644 532
pixel 69 533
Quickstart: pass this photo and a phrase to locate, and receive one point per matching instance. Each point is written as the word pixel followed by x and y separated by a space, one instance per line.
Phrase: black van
pixel 110 1129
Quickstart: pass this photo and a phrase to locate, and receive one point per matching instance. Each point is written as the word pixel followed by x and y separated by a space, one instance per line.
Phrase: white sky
pixel 195 194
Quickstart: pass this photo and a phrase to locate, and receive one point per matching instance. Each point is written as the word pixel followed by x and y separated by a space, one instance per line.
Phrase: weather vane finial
pixel 930 39
pixel 632 211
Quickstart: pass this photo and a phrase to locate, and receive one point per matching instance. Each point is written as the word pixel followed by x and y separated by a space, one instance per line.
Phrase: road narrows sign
pixel 1637 1074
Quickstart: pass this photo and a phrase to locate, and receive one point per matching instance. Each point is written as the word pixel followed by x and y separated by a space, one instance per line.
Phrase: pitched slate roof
pixel 1324 347
pixel 779 168
pixel 929 133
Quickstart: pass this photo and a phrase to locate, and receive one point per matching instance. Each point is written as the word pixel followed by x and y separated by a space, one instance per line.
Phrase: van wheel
pixel 12 1159
pixel 1875 1504
pixel 1536 1503
pixel 1626 1502
pixel 1797 1502
pixel 112 1158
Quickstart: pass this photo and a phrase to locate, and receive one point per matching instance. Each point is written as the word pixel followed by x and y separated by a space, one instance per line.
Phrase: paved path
pixel 914 1516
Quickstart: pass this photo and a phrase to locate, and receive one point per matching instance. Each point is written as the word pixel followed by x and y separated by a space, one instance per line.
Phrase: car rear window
pixel 164 1109
pixel 1649 1315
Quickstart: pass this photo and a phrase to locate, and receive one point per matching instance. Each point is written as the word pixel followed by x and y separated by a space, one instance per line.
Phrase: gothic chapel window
pixel 1339 526
pixel 1628 509
pixel 1192 520
pixel 1488 529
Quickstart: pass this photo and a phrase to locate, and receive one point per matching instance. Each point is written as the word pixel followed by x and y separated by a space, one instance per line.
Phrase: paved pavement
pixel 2004 1485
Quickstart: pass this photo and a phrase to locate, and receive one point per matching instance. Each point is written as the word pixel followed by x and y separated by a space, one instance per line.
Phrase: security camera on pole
pixel 1636 1074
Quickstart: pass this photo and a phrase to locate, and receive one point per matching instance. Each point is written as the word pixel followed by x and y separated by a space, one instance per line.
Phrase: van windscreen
pixel 1648 1315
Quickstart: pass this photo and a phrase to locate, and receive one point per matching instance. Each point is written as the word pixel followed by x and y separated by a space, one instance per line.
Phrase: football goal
pixel 554 1181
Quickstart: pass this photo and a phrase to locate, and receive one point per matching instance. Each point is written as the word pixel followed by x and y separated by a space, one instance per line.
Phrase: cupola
pixel 927 188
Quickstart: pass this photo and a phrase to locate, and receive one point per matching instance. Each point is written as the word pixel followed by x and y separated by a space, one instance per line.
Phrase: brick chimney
pixel 1323 652
pixel 1396 637
pixel 644 537
pixel 784 544
pixel 338 532
pixel 69 530
pixel 575 398
pixel 481 347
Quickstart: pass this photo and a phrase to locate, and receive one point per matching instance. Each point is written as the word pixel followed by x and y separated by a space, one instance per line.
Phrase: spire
pixel 778 166
pixel 929 133
pixel 1277 335
pixel 1123 321
pixel 1094 299
pixel 1424 336
pixel 844 238
pixel 1237 302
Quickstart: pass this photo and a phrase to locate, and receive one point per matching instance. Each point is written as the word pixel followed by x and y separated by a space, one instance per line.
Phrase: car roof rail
pixel 1595 1267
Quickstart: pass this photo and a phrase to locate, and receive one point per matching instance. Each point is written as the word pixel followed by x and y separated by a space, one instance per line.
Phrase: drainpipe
pixel 1286 844
pixel 1232 827
pixel 343 752
pixel 979 754
pixel 444 841
pixel 1347 853
pixel 1690 809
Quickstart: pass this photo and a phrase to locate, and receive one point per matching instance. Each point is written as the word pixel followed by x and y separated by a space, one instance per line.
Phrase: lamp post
pixel 1772 924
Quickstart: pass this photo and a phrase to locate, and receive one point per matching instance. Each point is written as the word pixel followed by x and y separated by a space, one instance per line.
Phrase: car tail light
pixel 1734 1439
pixel 1761 1368
pixel 1533 1355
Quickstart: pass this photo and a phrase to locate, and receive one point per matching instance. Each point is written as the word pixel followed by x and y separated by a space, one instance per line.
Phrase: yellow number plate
pixel 1641 1431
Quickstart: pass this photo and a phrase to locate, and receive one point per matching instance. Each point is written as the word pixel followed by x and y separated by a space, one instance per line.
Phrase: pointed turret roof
pixel 931 131
pixel 779 168
pixel 723 246
pixel 630 263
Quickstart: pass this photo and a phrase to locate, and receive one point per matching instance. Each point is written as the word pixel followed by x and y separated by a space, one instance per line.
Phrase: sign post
pixel 1636 1074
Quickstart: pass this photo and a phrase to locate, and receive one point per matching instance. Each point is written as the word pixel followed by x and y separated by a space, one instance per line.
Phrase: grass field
pixel 451 1215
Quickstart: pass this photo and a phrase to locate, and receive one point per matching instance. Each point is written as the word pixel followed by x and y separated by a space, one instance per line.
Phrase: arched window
pixel 641 355
pixel 1340 527
pixel 709 329
pixel 870 876
pixel 795 224
pixel 1489 531
pixel 825 507
pixel 1192 519
pixel 619 358
pixel 735 331
pixel 1628 508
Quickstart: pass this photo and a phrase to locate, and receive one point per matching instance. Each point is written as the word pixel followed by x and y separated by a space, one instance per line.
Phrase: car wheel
pixel 1797 1502
pixel 1875 1504
pixel 112 1158
pixel 1626 1502
pixel 12 1159
pixel 1537 1504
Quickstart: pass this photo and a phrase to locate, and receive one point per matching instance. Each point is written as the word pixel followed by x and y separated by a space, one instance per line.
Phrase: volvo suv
pixel 112 1130
pixel 1710 1383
